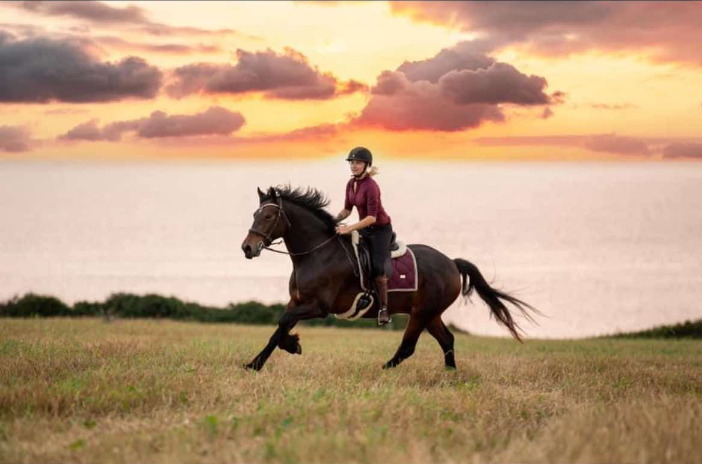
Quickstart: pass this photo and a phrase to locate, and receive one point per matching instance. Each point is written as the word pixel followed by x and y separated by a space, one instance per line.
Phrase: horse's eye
pixel 268 216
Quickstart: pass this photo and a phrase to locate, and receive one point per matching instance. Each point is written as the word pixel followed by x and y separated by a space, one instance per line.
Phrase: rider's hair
pixel 373 171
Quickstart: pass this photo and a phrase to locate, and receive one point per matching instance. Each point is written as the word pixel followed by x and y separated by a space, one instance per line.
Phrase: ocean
pixel 598 247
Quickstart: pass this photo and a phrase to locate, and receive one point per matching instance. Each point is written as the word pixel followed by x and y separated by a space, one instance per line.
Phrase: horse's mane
pixel 308 198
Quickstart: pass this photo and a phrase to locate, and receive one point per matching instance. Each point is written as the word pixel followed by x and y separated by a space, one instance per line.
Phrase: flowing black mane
pixel 310 198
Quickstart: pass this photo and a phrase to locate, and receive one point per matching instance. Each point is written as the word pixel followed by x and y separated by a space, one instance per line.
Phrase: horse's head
pixel 269 223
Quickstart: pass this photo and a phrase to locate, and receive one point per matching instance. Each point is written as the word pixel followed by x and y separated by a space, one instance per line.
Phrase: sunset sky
pixel 445 80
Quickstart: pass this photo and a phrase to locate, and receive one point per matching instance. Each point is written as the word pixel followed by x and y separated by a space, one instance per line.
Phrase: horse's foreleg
pixel 261 358
pixel 445 339
pixel 409 342
pixel 281 338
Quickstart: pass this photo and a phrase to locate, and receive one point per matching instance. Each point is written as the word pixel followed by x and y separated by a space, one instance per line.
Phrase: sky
pixel 409 80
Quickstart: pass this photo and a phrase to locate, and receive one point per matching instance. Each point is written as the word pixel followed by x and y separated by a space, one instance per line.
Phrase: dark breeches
pixel 378 240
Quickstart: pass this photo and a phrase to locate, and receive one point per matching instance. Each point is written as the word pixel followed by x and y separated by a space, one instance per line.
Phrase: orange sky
pixel 487 80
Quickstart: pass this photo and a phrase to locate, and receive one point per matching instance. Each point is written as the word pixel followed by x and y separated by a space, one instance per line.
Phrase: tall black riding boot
pixel 381 283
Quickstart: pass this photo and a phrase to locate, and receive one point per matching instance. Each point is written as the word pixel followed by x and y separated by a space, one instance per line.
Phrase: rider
pixel 374 224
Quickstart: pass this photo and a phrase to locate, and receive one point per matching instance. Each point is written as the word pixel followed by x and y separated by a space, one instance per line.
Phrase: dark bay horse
pixel 323 280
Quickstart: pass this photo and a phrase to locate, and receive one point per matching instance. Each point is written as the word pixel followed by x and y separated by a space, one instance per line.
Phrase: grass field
pixel 83 390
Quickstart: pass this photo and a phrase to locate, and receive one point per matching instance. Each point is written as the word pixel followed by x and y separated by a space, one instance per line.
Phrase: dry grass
pixel 146 391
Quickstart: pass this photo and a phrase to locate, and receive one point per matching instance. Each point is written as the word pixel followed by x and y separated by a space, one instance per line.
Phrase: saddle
pixel 401 268
pixel 361 249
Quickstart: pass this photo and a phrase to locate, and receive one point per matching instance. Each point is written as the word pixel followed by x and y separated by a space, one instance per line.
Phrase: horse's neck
pixel 306 231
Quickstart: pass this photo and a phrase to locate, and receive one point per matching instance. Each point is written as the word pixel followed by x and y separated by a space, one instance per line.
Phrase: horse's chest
pixel 306 285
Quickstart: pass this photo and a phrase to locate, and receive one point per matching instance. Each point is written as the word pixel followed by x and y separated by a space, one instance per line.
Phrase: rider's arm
pixel 343 214
pixel 365 222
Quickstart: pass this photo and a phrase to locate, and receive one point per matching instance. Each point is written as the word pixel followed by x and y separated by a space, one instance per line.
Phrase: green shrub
pixel 86 308
pixel 687 329
pixel 32 305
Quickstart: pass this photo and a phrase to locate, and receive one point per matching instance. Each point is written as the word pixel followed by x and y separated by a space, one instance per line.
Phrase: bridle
pixel 268 240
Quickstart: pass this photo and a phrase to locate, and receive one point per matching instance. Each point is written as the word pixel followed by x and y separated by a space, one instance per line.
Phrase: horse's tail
pixel 492 297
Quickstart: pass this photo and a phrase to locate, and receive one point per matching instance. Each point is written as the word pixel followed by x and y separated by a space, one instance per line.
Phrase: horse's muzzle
pixel 250 252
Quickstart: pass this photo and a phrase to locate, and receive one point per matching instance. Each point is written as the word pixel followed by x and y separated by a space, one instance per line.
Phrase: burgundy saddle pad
pixel 404 273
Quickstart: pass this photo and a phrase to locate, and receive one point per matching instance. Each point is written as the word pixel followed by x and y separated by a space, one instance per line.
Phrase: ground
pixel 162 391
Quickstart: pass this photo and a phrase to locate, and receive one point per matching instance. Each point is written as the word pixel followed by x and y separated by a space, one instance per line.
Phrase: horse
pixel 323 279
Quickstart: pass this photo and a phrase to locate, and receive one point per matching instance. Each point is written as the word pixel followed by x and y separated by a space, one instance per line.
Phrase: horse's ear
pixel 261 195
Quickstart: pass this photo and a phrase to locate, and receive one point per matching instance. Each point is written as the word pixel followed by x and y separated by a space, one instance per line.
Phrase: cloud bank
pixel 214 121
pixel 458 89
pixel 286 76
pixel 666 31
pixel 40 70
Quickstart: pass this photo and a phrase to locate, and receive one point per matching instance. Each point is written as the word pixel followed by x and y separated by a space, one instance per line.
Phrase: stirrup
pixel 386 316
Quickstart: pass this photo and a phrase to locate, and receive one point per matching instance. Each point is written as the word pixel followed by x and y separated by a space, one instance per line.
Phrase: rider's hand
pixel 343 230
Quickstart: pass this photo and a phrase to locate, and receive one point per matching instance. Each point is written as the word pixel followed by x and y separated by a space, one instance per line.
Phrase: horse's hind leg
pixel 445 338
pixel 409 342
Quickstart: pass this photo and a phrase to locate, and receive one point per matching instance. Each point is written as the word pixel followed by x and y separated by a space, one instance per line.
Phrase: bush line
pixel 687 329
pixel 151 306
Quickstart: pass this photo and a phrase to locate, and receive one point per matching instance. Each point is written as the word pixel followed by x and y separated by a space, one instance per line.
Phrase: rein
pixel 299 254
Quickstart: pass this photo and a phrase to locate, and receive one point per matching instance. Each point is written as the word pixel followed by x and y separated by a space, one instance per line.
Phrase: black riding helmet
pixel 362 154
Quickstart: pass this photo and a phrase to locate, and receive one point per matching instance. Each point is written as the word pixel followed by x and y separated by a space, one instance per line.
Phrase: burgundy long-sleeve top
pixel 366 199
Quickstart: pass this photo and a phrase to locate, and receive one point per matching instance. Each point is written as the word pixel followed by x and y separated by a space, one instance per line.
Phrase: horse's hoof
pixel 252 366
pixel 389 365
pixel 299 349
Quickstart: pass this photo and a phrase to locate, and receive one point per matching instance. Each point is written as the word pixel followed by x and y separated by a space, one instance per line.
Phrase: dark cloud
pixel 390 83
pixel 99 13
pixel 500 83
pixel 219 132
pixel 421 106
pixel 286 76
pixel 457 89
pixel 86 131
pixel 463 56
pixel 214 121
pixel 14 139
pixel 39 70
pixel 683 150
pixel 513 19
pixel 548 112
pixel 667 31
pixel 92 11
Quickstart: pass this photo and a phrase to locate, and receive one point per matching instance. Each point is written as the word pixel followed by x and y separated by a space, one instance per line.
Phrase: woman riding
pixel 374 223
